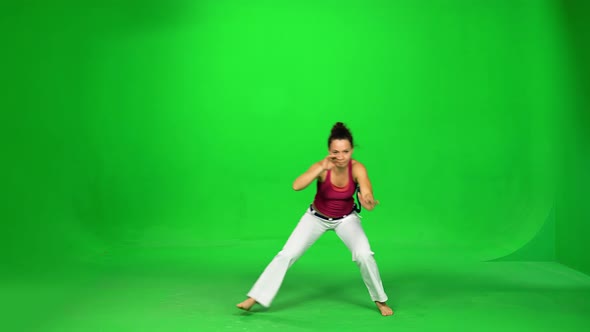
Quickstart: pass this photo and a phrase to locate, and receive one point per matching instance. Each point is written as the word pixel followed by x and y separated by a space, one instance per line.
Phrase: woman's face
pixel 342 152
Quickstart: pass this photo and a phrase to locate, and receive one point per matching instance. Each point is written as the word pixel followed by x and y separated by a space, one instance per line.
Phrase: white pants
pixel 307 231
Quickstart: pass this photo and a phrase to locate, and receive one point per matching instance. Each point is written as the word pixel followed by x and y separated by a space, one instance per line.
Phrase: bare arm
pixel 307 178
pixel 366 189
pixel 313 173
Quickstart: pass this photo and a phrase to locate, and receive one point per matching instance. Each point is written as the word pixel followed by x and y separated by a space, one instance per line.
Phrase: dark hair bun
pixel 339 131
pixel 339 128
pixel 338 125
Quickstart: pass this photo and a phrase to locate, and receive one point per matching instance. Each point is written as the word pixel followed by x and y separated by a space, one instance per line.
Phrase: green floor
pixel 185 289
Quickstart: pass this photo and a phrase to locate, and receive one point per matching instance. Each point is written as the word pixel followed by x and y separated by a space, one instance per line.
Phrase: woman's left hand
pixel 367 201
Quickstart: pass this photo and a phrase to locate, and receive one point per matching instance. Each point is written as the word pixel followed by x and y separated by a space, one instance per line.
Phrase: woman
pixel 333 208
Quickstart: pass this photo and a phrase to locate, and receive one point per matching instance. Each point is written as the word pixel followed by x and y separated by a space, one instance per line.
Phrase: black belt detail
pixel 317 214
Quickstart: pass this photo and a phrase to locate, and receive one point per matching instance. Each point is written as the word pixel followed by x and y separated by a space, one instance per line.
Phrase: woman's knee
pixel 363 256
pixel 289 255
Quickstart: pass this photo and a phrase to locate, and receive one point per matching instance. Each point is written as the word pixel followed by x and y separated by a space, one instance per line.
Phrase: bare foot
pixel 247 304
pixel 384 308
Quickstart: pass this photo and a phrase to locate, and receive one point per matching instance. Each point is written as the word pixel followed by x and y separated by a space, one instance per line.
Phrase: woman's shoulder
pixel 357 164
pixel 357 168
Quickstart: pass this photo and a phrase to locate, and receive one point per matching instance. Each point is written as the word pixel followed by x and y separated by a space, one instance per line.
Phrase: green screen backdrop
pixel 184 124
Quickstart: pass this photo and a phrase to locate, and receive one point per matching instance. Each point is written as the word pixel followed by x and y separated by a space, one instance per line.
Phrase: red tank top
pixel 333 201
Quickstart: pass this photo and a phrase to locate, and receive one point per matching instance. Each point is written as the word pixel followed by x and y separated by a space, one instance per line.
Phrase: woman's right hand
pixel 314 172
pixel 328 162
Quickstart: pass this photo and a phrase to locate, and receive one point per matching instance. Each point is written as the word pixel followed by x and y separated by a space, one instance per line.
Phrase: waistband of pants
pixel 319 215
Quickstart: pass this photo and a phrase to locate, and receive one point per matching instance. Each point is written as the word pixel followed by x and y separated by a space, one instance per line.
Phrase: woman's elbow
pixel 298 185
